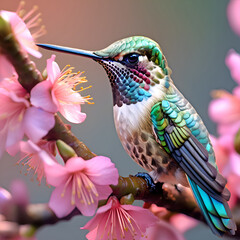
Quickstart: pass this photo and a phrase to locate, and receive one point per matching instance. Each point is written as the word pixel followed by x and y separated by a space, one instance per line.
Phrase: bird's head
pixel 134 65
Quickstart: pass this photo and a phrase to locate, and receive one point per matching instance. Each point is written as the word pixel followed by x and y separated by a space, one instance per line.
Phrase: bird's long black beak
pixel 84 53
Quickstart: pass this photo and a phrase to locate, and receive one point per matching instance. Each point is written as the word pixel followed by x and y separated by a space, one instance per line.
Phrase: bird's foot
pixel 151 184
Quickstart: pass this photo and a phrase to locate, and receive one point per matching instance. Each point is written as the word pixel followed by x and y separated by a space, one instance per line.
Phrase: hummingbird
pixel 158 127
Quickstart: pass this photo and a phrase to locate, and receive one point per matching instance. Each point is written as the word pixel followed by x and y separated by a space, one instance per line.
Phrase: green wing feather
pixel 207 184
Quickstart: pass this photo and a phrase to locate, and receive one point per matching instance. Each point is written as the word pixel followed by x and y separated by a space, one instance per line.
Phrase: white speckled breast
pixel 134 128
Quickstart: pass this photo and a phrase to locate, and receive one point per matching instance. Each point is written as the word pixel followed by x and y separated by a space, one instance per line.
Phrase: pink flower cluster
pixel 31 114
pixel 116 221
pixel 225 111
pixel 78 183
pixel 233 15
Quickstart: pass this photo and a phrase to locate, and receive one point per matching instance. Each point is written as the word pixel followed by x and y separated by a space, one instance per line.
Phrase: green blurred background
pixel 194 36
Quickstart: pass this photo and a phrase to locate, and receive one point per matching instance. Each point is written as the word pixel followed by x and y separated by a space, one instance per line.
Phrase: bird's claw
pixel 148 179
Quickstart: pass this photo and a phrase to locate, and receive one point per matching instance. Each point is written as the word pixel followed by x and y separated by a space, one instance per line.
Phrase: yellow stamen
pixel 42 31
pixel 82 89
pixel 30 13
pixel 71 80
pixel 20 117
pixel 34 21
pixel 20 8
pixel 73 192
pixel 65 186
pixel 30 20
pixel 85 189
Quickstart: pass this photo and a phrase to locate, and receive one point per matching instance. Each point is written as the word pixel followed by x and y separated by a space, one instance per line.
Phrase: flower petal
pixel 233 63
pixel 61 205
pixel 30 47
pixel 229 128
pixel 233 15
pixel 87 210
pixel 103 191
pixel 29 147
pixel 235 163
pixel 182 222
pixel 41 97
pixel 106 207
pixel 56 174
pixel 75 164
pixel 53 69
pixel 13 149
pixel 93 223
pixel 15 134
pixel 21 32
pixel 162 231
pixel 221 152
pixel 92 234
pixel 37 123
pixel 236 91
pixel 227 106
pixel 72 113
pixel 100 164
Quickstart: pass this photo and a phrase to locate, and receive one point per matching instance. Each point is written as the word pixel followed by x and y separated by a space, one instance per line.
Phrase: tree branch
pixel 62 132
pixel 176 200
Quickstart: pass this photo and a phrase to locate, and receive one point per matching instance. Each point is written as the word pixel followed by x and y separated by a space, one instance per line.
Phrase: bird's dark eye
pixel 132 58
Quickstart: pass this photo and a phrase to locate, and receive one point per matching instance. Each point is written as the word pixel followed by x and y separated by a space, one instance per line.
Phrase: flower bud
pixel 127 199
pixel 237 142
pixel 65 150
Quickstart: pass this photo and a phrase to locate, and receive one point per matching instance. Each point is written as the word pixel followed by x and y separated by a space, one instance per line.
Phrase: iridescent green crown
pixel 138 44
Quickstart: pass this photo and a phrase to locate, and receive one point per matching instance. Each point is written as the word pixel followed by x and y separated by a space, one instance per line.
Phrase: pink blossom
pixel 18 117
pixel 228 161
pixel 163 231
pixel 233 10
pixel 57 93
pixel 116 221
pixel 226 112
pixel 233 63
pixel 180 221
pixel 79 183
pixel 31 156
pixel 224 109
pixel 21 29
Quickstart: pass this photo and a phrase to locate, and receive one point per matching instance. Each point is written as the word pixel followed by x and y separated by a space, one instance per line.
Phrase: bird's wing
pixel 207 183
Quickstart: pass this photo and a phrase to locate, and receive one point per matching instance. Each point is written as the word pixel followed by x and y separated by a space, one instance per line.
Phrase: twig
pixel 178 200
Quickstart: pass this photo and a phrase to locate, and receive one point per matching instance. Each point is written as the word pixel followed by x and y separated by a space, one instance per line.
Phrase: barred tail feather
pixel 217 213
